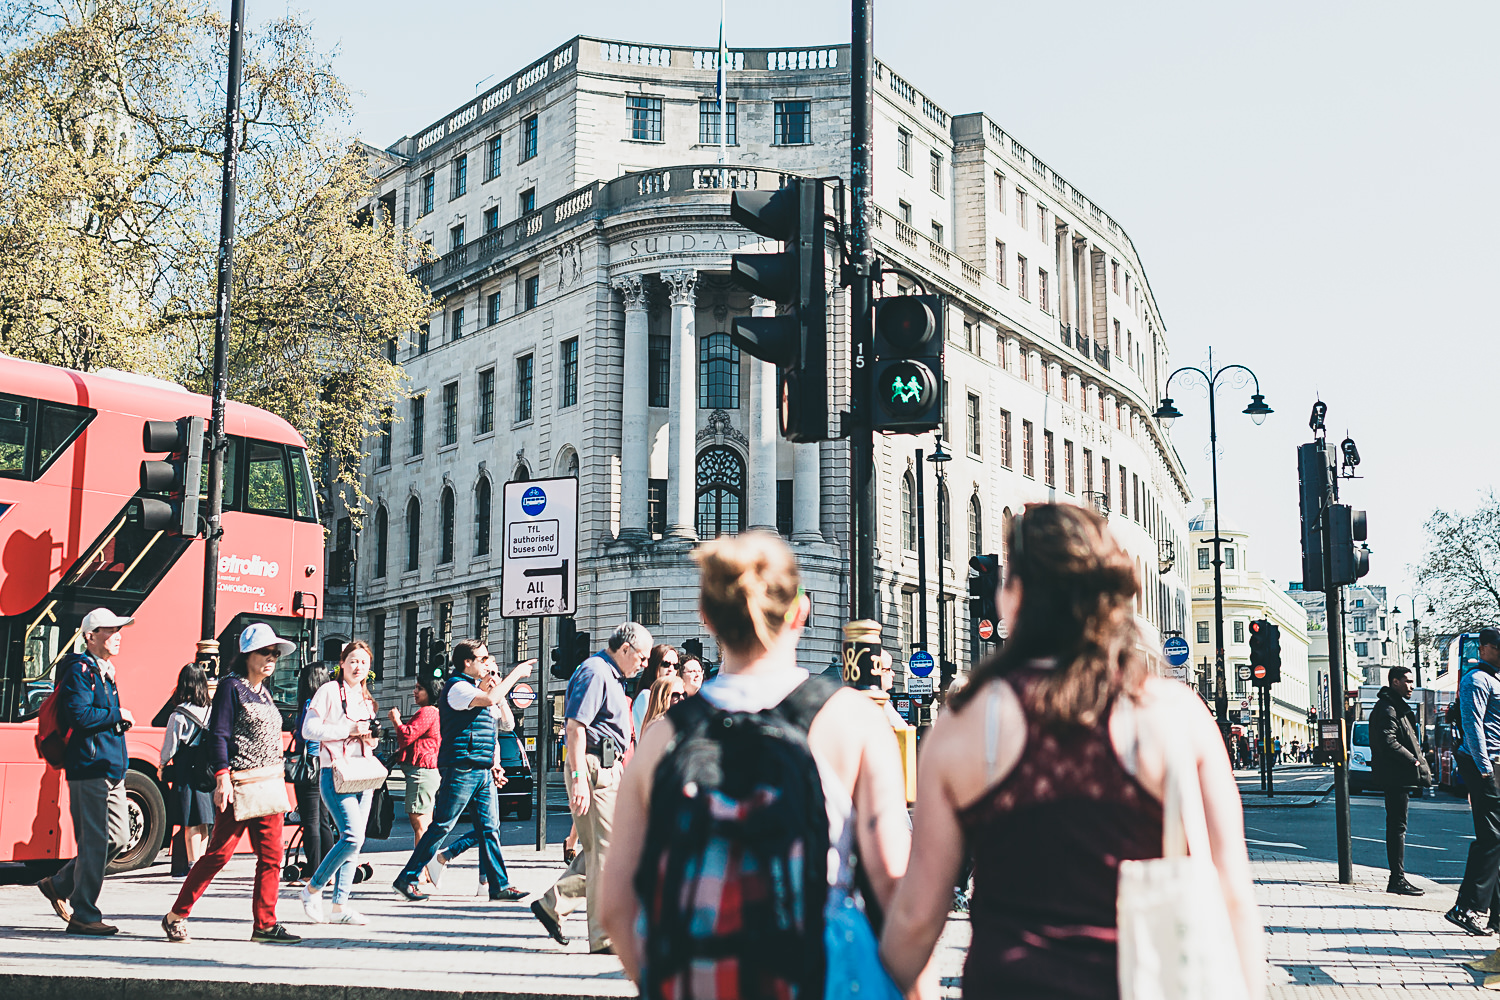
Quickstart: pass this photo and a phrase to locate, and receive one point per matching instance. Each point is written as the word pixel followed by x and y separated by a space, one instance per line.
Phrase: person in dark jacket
pixel 89 706
pixel 1398 762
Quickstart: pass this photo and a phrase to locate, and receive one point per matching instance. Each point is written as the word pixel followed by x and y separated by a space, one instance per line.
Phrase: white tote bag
pixel 1175 940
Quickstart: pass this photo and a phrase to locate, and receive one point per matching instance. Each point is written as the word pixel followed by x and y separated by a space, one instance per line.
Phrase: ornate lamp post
pixel 1416 645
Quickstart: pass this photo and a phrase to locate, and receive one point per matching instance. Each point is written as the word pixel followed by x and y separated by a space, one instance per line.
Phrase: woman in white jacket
pixel 340 717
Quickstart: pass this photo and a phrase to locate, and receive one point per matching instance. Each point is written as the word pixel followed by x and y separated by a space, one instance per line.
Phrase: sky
pixel 1310 187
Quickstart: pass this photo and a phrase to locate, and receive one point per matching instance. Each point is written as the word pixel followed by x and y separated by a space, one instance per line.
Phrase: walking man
pixel 600 735
pixel 89 706
pixel 1479 709
pixel 1398 762
pixel 469 766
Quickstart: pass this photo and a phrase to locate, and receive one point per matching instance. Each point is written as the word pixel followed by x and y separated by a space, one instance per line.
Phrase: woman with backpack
pixel 1052 767
pixel 184 763
pixel 746 794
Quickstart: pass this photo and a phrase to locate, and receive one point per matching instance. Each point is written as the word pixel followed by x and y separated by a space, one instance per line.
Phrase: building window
pixel 937 232
pixel 793 122
pixel 1049 459
pixel 479 618
pixel 492 158
pixel 384 454
pixel 1000 262
pixel 721 493
pixel 1203 632
pixel 1104 480
pixel 377 636
pixel 935 166
pixel 487 401
pixel 1114 275
pixel 645 607
pixel 708 123
pixel 418 423
pixel 491 219
pixel 1239 631
pixel 1021 285
pixel 903 149
pixel 1005 438
pixel 424 334
pixel 908 514
pixel 459 185
pixel 1361 649
pixel 528 138
pixel 494 308
pixel 409 641
pixel 1041 221
pixel 1000 191
pixel 718 372
pixel 1228 552
pixel 526 201
pixel 448 514
pixel 784 507
pixel 525 378
pixel 529 290
pixel 1028 449
pixel 456 237
pixel 1043 297
pixel 976 527
pixel 1088 471
pixel 908 624
pixel 1068 466
pixel 904 209
pixel 450 414
pixel 1118 352
pixel 971 336
pixel 1359 623
pixel 656 506
pixel 976 427
pixel 413 534
pixel 943 401
pixel 426 193
pixel 455 324
pixel 659 349
pixel 1021 207
pixel 944 532
pixel 482 517
pixel 645 118
pixel 569 389
pixel 382 540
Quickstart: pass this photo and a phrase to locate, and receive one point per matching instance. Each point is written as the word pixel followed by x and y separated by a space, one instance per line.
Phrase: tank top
pixel 1047 842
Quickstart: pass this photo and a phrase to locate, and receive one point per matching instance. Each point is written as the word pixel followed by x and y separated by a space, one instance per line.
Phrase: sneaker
pixel 435 869
pixel 275 935
pixel 59 905
pixel 348 915
pixel 176 929
pixel 1466 920
pixel 507 894
pixel 312 905
pixel 548 921
pixel 408 890
pixel 95 928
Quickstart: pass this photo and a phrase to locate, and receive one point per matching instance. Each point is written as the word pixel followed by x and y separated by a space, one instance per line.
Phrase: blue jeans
pixel 461 787
pixel 469 837
pixel 350 810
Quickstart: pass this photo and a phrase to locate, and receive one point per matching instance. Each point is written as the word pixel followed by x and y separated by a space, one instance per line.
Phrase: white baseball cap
pixel 102 618
pixel 262 636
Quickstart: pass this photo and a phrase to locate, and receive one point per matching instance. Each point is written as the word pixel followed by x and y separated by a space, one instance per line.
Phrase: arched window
pixel 718 372
pixel 1005 536
pixel 382 538
pixel 942 522
pixel 721 493
pixel 976 527
pixel 908 513
pixel 522 474
pixel 482 517
pixel 447 515
pixel 413 533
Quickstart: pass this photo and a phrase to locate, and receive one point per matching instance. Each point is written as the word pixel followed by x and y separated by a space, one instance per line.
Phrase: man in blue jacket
pixel 1479 706
pixel 89 706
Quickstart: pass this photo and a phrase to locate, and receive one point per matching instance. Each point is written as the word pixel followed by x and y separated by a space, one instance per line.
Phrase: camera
pixel 375 729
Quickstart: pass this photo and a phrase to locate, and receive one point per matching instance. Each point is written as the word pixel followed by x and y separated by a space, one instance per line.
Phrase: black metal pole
pixel 943 516
pixel 208 649
pixel 1221 688
pixel 921 502
pixel 1333 603
pixel 861 179
pixel 1416 647
pixel 543 747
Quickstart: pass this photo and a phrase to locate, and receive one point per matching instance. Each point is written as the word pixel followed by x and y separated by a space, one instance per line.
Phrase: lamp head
pixel 1319 411
pixel 1166 413
pixel 1351 453
pixel 1258 410
pixel 939 455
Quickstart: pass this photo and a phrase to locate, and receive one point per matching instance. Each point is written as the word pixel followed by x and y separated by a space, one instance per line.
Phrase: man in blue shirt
pixel 1479 709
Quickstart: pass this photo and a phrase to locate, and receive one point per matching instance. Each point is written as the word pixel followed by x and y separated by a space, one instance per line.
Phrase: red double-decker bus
pixel 72 539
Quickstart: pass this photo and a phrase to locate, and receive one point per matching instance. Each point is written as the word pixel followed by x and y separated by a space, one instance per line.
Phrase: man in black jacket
pixel 1398 762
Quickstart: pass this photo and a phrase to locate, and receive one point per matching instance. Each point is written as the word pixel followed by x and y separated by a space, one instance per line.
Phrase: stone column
pixel 635 456
pixel 764 430
pixel 807 493
pixel 682 469
pixel 1085 288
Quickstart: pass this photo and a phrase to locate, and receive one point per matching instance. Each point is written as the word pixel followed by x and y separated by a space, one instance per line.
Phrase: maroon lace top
pixel 1047 842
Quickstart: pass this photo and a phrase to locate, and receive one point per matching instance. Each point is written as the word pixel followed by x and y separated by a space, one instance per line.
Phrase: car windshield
pixel 1361 734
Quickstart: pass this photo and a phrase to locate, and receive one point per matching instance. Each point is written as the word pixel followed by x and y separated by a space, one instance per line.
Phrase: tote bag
pixel 1175 939
pixel 258 792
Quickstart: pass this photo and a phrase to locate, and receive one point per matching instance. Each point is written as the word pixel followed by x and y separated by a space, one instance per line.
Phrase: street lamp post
pixel 940 459
pixel 1416 643
pixel 1166 413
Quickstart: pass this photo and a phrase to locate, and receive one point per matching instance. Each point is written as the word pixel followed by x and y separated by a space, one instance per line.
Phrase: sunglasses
pixel 675 697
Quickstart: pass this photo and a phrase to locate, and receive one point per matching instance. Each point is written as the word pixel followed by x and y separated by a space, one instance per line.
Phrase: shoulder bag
pixel 1175 938
pixel 356 774
pixel 260 791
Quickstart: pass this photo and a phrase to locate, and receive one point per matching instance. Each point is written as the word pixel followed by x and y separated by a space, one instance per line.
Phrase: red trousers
pixel 265 838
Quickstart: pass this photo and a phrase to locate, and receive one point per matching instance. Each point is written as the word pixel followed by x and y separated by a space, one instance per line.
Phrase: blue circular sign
pixel 1176 650
pixel 534 500
pixel 920 663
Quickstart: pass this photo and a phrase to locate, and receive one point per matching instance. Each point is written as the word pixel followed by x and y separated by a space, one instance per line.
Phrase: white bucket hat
pixel 262 636
pixel 102 618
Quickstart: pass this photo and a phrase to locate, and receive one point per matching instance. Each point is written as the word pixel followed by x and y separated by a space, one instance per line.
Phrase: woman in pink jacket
pixel 418 741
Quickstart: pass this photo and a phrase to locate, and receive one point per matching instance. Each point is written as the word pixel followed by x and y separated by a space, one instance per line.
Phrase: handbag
pixel 1175 938
pixel 357 774
pixel 382 814
pixel 260 791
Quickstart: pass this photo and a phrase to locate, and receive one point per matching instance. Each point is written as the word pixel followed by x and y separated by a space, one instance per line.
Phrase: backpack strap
pixel 807 700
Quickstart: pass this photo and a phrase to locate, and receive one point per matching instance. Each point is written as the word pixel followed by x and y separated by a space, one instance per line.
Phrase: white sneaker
pixel 435 869
pixel 312 905
pixel 348 916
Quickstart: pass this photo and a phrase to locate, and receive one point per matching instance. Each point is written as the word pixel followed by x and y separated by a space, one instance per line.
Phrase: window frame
pixel 458 184
pixel 450 414
pixel 494 150
pixel 903 150
pixel 525 369
pixel 708 122
pixel 568 372
pixel 783 117
pixel 530 134
pixel 643 113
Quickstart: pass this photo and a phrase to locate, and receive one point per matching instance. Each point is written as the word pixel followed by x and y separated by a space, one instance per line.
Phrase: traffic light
pixel 1313 466
pixel 1265 651
pixel 178 478
pixel 1348 526
pixel 908 374
pixel 797 341
pixel 983 584
pixel 694 649
pixel 563 663
pixel 947 670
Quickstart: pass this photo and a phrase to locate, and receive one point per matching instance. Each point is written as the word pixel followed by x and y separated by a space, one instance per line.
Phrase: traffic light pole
pixel 861 398
pixel 1334 608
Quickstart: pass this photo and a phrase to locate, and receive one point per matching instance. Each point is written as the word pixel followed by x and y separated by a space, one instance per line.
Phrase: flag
pixel 720 85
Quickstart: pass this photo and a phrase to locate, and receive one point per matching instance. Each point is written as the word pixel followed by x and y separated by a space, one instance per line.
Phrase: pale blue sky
pixel 1311 187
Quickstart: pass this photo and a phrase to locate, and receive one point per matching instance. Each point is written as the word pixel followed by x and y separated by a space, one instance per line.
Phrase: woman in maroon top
pixel 418 741
pixel 1049 770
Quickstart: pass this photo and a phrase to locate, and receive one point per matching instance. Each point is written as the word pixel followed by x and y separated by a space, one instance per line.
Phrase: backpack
pixel 51 735
pixel 733 876
pixel 189 764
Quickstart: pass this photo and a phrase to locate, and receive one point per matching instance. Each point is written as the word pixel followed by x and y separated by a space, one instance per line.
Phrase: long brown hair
pixel 350 647
pixel 660 699
pixel 749 587
pixel 1077 608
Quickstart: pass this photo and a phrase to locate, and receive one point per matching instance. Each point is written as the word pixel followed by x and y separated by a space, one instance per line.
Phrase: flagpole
pixel 723 86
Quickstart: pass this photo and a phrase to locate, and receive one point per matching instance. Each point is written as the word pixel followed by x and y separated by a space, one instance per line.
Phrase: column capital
pixel 632 288
pixel 681 284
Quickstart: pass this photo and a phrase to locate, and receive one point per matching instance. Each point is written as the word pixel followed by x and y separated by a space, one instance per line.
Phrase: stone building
pixel 1368 626
pixel 578 214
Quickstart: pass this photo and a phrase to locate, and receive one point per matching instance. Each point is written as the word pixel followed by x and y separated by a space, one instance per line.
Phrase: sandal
pixel 176 929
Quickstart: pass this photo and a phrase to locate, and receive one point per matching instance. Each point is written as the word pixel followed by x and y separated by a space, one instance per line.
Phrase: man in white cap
pixel 96 761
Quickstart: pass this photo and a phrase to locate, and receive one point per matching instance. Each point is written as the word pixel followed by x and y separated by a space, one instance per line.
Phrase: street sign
pixel 903 707
pixel 921 664
pixel 539 571
pixel 1245 703
pixel 1176 650
pixel 986 629
pixel 1243 670
pixel 1259 672
pixel 920 684
pixel 522 695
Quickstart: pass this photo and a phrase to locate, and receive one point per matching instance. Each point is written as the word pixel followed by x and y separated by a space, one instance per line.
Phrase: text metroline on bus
pixel 72 539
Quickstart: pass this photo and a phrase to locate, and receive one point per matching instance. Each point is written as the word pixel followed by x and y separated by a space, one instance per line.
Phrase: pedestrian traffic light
pixel 1347 526
pixel 176 480
pixel 796 341
pixel 1314 464
pixel 908 372
pixel 983 584
pixel 1265 651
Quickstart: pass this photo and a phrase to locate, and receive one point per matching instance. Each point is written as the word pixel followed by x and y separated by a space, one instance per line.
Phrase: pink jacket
pixel 419 739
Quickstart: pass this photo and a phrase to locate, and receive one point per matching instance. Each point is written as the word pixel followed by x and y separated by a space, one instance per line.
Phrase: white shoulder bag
pixel 1175 939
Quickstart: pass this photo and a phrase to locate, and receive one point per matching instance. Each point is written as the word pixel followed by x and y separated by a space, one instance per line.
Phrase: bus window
pixel 307 507
pixel 231 479
pixel 15 427
pixel 60 424
pixel 266 479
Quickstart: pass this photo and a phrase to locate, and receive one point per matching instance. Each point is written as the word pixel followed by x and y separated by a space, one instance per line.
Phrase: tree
pixel 111 124
pixel 1461 568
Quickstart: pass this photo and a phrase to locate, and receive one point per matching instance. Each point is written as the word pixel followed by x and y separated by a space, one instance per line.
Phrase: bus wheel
pixel 148 824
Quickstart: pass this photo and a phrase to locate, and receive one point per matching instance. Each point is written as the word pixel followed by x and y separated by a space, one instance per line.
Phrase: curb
pixel 18 986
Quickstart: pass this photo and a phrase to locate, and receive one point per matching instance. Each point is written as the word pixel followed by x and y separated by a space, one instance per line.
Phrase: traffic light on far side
pixel 1348 526
pixel 1265 651
pixel 563 662
pixel 178 478
pixel 797 341
pixel 908 373
pixel 983 584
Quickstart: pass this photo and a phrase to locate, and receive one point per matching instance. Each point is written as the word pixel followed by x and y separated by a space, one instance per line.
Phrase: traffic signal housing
pixel 1314 464
pixel 796 341
pixel 563 663
pixel 1265 651
pixel 983 584
pixel 908 370
pixel 1347 526
pixel 176 479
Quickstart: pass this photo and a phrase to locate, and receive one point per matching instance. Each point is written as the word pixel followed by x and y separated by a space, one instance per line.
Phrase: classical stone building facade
pixel 579 217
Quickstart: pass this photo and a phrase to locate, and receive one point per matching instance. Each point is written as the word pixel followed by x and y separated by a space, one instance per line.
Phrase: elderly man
pixel 600 736
pixel 89 708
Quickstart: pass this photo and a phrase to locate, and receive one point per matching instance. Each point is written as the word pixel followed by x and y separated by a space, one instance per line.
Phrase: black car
pixel 519 792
